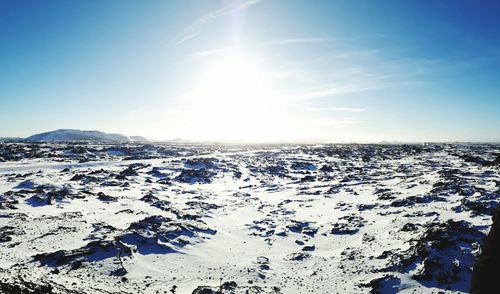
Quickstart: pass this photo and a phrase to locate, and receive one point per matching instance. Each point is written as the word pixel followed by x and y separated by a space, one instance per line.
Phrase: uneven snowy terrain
pixel 135 218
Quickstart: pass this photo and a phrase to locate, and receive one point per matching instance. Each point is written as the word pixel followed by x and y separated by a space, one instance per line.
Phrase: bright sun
pixel 232 99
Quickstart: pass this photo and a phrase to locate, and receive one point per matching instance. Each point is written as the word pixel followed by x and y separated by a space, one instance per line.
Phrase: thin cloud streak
pixel 212 52
pixel 195 28
pixel 291 41
pixel 348 109
pixel 298 40
pixel 338 90
pixel 332 122
pixel 343 109
pixel 317 40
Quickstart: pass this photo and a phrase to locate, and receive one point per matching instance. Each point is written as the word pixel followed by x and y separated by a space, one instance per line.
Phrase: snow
pixel 65 135
pixel 287 219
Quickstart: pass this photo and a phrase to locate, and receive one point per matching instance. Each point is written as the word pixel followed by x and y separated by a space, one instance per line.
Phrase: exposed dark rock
pixel 350 225
pixel 485 273
pixel 496 162
pixel 306 228
pixel 387 284
pixel 309 248
pixel 92 252
pixel 202 163
pixel 192 176
pixel 161 234
pixel 299 256
pixel 106 198
pixel 434 253
pixel 20 286
pixel 409 227
pixel 7 232
pixel 204 206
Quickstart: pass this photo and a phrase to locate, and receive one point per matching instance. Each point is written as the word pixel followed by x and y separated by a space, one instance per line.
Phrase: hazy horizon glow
pixel 250 70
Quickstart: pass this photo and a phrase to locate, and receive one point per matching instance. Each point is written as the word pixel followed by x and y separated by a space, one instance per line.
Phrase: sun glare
pixel 232 99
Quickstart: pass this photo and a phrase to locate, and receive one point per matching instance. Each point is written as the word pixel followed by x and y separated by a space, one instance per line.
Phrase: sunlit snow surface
pixel 131 218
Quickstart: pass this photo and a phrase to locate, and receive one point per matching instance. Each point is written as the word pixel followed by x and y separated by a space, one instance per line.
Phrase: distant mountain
pixel 10 139
pixel 139 139
pixel 79 135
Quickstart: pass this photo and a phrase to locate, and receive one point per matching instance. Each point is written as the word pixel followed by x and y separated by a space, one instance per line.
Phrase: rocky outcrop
pixel 485 273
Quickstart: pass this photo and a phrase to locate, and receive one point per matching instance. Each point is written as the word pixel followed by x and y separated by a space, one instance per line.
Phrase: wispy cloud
pixel 327 122
pixel 317 40
pixel 338 71
pixel 346 109
pixel 298 40
pixel 211 52
pixel 349 109
pixel 339 89
pixel 292 41
pixel 196 27
pixel 345 122
pixel 237 5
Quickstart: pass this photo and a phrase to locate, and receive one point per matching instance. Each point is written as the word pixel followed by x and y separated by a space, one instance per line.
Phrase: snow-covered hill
pixel 79 135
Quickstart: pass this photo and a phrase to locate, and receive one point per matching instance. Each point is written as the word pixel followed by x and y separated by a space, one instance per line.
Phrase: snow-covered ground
pixel 159 218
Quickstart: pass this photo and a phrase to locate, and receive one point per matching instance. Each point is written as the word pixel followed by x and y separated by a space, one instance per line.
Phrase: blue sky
pixel 256 70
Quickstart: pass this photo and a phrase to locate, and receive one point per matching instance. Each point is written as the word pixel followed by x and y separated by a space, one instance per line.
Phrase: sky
pixel 253 70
